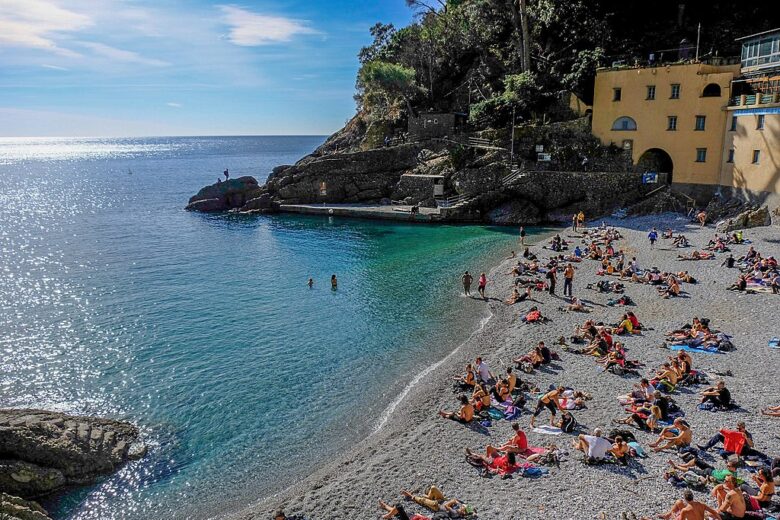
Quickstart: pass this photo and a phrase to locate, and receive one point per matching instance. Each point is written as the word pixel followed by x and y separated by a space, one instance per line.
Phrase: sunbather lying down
pixel 433 500
pixel 697 255
pixel 773 411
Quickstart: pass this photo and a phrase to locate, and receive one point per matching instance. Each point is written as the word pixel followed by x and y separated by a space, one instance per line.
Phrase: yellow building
pixel 670 117
pixel 751 151
pixel 715 128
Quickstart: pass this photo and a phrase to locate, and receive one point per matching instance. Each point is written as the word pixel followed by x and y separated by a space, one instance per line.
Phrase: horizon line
pixel 152 136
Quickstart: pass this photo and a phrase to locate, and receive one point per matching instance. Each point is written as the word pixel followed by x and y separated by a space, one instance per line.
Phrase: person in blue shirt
pixel 653 236
pixel 578 252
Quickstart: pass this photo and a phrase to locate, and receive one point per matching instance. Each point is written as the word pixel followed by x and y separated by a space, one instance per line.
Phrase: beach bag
pixel 568 424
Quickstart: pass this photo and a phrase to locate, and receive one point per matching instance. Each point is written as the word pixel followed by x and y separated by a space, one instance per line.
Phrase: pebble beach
pixel 415 448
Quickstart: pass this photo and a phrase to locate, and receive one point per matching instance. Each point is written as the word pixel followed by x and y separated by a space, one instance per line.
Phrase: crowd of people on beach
pixel 742 488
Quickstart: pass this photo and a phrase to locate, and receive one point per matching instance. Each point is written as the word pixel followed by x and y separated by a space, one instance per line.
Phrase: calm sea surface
pixel 200 328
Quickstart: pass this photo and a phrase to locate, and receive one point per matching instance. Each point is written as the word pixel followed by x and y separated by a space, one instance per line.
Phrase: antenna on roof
pixel 698 39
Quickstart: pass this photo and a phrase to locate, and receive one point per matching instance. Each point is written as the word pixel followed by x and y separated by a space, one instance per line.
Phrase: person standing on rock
pixel 226 173
pixel 653 236
pixel 522 235
pixel 467 279
pixel 568 278
pixel 482 285
pixel 551 279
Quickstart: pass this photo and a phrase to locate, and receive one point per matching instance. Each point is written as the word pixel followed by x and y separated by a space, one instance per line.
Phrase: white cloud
pixel 34 24
pixel 53 67
pixel 174 105
pixel 249 29
pixel 114 54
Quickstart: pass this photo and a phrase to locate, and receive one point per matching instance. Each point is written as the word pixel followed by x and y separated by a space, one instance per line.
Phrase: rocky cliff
pixel 42 452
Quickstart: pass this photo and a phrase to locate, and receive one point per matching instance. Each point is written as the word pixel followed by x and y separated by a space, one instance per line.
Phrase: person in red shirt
pixel 518 443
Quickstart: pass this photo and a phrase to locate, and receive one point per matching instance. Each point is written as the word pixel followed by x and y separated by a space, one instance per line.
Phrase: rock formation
pixel 242 194
pixel 747 219
pixel 41 452
pixel 15 508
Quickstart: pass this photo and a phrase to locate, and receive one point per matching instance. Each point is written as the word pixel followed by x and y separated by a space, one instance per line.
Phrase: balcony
pixel 753 100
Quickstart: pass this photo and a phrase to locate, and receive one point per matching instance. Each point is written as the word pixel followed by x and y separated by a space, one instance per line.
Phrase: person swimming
pixel 334 283
pixel 310 283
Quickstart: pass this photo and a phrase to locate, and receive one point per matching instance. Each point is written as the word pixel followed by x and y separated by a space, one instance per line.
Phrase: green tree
pixel 381 80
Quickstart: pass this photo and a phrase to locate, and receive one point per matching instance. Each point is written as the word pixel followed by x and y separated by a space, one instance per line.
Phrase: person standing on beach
pixel 467 279
pixel 551 279
pixel 522 235
pixel 482 285
pixel 568 278
pixel 653 236
pixel 574 222
pixel 334 283
pixel 580 219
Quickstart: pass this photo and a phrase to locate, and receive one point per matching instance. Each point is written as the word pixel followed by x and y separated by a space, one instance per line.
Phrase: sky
pixel 182 67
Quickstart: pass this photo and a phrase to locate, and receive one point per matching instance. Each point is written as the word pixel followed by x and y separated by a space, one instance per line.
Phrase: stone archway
pixel 656 160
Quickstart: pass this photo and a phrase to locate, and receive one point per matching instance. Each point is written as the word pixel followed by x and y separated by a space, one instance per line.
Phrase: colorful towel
pixel 774 343
pixel 708 350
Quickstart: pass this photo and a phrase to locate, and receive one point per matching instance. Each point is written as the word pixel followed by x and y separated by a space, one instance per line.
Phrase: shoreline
pixel 415 448
pixel 381 424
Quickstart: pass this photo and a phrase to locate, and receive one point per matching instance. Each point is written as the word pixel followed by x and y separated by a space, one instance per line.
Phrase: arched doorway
pixel 656 160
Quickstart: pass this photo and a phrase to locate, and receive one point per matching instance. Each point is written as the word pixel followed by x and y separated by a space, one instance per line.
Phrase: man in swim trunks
pixel 467 279
pixel 689 509
pixel 678 435
pixel 464 415
pixel 551 401
pixel 731 503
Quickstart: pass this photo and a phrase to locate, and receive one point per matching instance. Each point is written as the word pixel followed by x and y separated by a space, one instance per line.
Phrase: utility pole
pixel 698 39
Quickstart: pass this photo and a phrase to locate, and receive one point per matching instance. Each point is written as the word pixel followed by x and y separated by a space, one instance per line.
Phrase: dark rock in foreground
pixel 41 451
pixel 15 508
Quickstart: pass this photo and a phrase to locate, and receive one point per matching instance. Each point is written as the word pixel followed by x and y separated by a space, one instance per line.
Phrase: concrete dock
pixel 392 212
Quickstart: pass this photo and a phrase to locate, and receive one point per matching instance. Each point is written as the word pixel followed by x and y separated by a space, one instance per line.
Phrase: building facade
pixel 714 127
pixel 751 151
pixel 670 117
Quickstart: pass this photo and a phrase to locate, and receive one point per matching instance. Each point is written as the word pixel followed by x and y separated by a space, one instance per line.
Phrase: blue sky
pixel 176 67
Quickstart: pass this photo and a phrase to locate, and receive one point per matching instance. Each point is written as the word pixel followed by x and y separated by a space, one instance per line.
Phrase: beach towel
pixel 547 430
pixel 495 413
pixel 699 350
pixel 774 343
pixel 640 452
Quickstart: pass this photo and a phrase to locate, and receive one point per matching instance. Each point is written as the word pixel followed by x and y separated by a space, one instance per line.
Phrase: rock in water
pixel 224 196
pixel 42 451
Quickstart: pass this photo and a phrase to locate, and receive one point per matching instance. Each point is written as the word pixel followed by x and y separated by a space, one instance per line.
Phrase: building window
pixel 675 91
pixel 701 155
pixel 651 92
pixel 756 156
pixel 617 94
pixel 760 122
pixel 700 122
pixel 733 123
pixel 624 123
pixel 731 156
pixel 672 123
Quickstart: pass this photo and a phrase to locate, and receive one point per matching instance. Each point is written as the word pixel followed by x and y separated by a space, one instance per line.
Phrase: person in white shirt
pixel 594 446
pixel 483 371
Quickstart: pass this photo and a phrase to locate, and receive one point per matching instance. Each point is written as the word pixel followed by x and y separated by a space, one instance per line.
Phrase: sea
pixel 201 328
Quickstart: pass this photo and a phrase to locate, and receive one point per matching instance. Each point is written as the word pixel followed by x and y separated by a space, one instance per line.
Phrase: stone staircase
pixel 454 202
pixel 514 174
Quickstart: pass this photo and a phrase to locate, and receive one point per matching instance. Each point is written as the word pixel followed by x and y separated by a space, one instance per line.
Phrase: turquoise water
pixel 201 328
